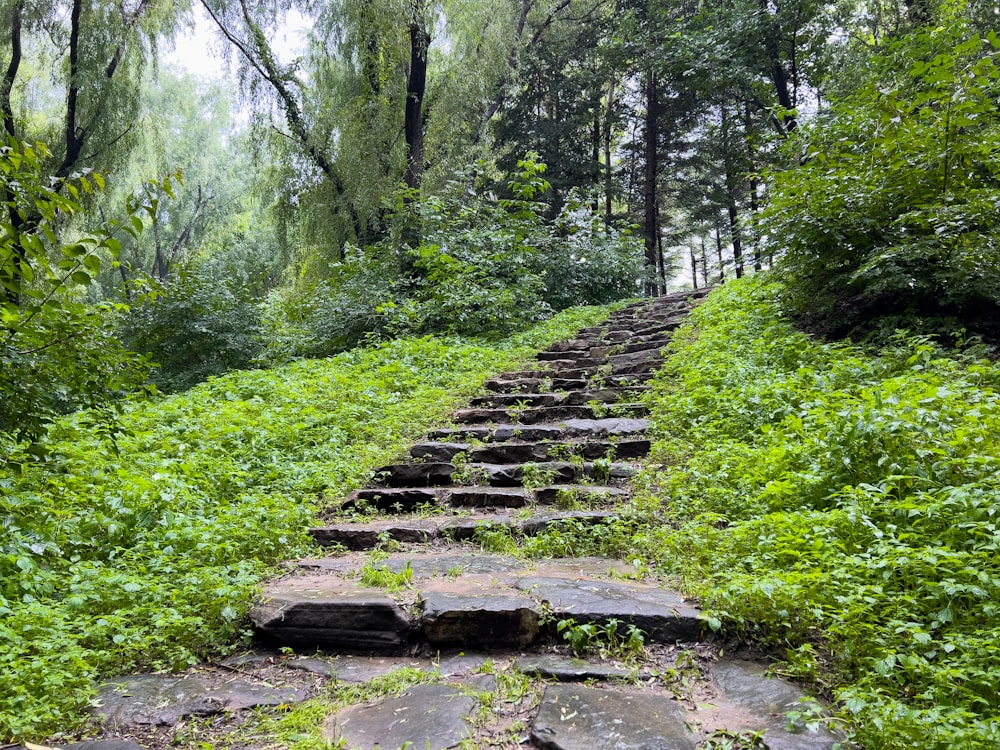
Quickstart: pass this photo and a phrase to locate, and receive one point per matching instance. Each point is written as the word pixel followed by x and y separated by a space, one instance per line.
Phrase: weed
pixel 724 739
pixel 613 639
pixel 381 576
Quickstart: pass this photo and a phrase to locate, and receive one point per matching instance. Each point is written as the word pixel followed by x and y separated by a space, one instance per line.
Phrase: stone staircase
pixel 407 584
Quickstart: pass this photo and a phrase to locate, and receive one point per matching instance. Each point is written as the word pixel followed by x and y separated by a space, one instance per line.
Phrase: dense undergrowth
pixel 146 552
pixel 840 504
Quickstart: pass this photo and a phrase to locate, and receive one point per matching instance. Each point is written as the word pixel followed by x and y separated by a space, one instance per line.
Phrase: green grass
pixel 838 505
pixel 146 552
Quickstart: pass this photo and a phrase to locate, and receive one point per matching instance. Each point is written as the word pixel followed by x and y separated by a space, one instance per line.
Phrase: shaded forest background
pixel 470 168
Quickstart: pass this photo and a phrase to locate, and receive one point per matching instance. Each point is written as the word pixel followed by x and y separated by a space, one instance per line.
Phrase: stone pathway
pixel 407 589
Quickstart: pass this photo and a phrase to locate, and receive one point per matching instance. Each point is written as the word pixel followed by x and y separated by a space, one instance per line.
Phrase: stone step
pixel 567 428
pixel 571 398
pixel 479 601
pixel 487 496
pixel 427 474
pixel 543 472
pixel 560 494
pixel 508 453
pixel 533 385
pixel 392 500
pixel 563 354
pixel 542 414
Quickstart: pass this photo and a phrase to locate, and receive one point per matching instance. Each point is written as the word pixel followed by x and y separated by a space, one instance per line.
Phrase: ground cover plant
pixel 144 551
pixel 838 505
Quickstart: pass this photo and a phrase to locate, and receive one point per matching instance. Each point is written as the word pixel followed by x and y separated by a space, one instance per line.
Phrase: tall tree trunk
pixel 608 182
pixel 754 201
pixel 776 68
pixel 704 263
pixel 694 265
pixel 416 87
pixel 731 187
pixel 651 218
pixel 12 293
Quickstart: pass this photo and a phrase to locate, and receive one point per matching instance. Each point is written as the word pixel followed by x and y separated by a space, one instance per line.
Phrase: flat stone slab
pixel 366 535
pixel 573 717
pixel 570 669
pixel 541 523
pixel 427 474
pixel 330 610
pixel 393 500
pixel 116 744
pixel 603 427
pixel 434 717
pixel 662 615
pixel 556 493
pixel 163 700
pixel 749 701
pixel 487 497
pixel 477 613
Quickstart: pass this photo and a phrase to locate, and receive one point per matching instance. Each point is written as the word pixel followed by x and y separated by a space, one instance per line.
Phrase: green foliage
pixel 842 503
pixel 145 552
pixel 57 353
pixel 461 264
pixel 613 639
pixel 196 324
pixel 894 210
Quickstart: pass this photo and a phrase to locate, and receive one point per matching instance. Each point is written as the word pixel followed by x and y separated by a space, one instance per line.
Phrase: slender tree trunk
pixel 13 293
pixel 661 263
pixel 776 68
pixel 704 263
pixel 718 249
pixel 651 218
pixel 694 265
pixel 416 87
pixel 731 187
pixel 608 182
pixel 754 201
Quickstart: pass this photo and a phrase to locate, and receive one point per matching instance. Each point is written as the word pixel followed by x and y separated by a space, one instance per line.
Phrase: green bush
pixel 194 325
pixel 842 504
pixel 895 210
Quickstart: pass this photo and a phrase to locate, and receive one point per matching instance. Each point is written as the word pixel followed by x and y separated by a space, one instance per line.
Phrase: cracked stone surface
pixel 572 717
pixel 435 717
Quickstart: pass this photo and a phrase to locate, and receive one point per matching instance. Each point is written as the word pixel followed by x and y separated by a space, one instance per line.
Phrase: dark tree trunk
pixel 776 68
pixel 608 182
pixel 651 218
pixel 754 201
pixel 416 87
pixel 694 265
pixel 731 188
pixel 13 293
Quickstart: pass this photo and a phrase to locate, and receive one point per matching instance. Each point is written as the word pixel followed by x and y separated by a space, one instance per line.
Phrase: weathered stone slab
pixel 605 427
pixel 509 453
pixel 570 669
pixel 573 717
pixel 541 523
pixel 627 448
pixel 564 353
pixel 486 497
pixel 512 475
pixel 524 432
pixel 438 451
pixel 358 536
pixel 327 610
pixel 593 493
pixel 163 700
pixel 364 668
pixel 601 395
pixel 477 614
pixel 392 499
pixel 507 400
pixel 434 717
pixel 663 615
pixel 426 474
pixel 461 433
pixel 465 527
pixel 112 744
pixel 761 704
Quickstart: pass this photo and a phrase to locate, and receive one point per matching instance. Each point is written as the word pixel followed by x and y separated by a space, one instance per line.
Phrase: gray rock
pixel 541 523
pixel 486 497
pixel 392 499
pixel 601 427
pixel 434 717
pixel 114 744
pixel 329 611
pixel 365 668
pixel 761 705
pixel 662 615
pixel 438 451
pixel 468 616
pixel 569 669
pixel 165 700
pixel 579 718
pixel 359 536
pixel 589 492
pixel 427 474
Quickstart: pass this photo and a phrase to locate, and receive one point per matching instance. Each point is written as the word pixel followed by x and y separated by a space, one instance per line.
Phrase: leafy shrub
pixel 57 353
pixel 464 264
pixel 826 496
pixel 895 208
pixel 194 325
